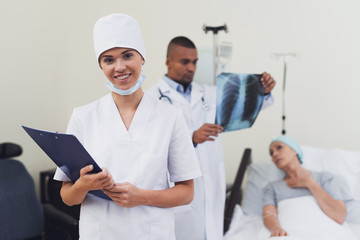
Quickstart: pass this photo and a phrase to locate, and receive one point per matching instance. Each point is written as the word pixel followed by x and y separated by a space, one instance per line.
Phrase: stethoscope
pixel 205 106
pixel 164 96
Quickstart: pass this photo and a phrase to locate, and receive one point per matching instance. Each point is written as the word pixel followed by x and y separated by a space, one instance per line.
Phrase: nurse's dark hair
pixel 179 41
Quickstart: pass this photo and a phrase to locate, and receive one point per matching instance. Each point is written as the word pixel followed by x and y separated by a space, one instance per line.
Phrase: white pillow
pixel 336 161
pixel 253 189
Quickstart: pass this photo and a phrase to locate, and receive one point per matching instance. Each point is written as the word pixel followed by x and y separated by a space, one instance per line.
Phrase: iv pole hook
pixel 215 31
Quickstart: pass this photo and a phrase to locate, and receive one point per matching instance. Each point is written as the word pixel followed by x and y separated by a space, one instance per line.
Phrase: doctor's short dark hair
pixel 179 41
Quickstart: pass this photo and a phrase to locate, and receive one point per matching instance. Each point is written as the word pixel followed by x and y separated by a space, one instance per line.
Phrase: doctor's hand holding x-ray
pixel 206 133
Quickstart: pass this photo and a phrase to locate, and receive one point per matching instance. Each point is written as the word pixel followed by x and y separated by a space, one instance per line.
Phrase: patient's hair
pixel 179 41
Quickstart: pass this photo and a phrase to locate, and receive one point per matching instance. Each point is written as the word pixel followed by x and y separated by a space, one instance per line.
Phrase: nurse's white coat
pixel 154 145
pixel 204 219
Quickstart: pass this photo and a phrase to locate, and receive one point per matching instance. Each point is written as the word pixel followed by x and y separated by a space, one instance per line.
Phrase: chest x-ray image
pixel 239 99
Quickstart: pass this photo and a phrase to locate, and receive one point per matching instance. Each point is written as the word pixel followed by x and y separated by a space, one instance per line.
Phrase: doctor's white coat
pixel 204 218
pixel 205 215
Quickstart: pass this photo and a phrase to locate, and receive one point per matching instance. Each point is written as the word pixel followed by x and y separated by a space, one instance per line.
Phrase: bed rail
pixel 235 195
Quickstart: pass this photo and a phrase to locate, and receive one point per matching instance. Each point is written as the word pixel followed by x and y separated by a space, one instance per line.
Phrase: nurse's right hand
pixel 73 194
pixel 94 181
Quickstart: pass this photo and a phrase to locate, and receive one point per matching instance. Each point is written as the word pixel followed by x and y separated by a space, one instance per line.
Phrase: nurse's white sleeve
pixel 182 160
pixel 74 128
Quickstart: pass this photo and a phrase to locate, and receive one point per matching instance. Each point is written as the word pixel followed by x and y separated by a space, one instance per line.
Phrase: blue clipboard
pixel 67 153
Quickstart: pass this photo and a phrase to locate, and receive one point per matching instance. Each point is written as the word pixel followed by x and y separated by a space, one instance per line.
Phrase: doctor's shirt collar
pixel 179 88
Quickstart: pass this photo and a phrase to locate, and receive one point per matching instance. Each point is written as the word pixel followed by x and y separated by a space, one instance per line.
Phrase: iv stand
pixel 215 30
pixel 285 60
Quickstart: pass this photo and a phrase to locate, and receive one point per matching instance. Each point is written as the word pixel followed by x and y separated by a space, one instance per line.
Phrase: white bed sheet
pixel 251 227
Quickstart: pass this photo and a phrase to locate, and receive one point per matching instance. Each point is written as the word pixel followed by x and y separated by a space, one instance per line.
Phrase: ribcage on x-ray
pixel 230 97
pixel 251 98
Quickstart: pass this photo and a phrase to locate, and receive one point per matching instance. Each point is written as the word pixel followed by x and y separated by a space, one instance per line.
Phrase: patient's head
pixel 284 150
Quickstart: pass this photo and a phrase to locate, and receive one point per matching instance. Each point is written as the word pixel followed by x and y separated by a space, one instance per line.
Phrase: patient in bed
pixel 322 195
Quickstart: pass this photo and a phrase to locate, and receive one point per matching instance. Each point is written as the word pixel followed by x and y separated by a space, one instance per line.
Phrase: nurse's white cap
pixel 117 30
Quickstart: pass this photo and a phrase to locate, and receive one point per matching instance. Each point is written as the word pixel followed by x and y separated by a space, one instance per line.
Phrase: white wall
pixel 33 74
pixel 49 67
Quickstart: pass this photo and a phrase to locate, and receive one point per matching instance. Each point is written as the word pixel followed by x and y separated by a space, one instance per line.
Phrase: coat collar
pixel 113 119
pixel 197 92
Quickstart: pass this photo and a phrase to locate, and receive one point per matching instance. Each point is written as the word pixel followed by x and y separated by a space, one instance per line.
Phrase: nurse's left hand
pixel 125 195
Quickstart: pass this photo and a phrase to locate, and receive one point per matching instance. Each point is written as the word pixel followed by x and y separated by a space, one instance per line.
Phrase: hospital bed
pixel 243 209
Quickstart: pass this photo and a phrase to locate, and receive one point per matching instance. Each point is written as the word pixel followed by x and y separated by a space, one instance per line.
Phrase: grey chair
pixel 21 213
pixel 61 221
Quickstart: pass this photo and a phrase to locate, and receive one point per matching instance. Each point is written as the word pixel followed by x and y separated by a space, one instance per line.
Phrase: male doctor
pixel 203 218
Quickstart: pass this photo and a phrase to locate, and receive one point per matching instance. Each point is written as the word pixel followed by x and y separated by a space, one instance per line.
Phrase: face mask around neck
pixel 129 91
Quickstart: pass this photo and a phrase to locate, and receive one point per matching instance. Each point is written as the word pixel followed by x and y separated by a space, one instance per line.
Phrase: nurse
pixel 139 140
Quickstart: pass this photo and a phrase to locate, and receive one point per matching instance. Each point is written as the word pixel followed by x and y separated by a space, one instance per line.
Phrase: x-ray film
pixel 239 98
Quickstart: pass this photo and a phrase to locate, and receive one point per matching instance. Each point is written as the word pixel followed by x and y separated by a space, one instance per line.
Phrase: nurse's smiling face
pixel 122 66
